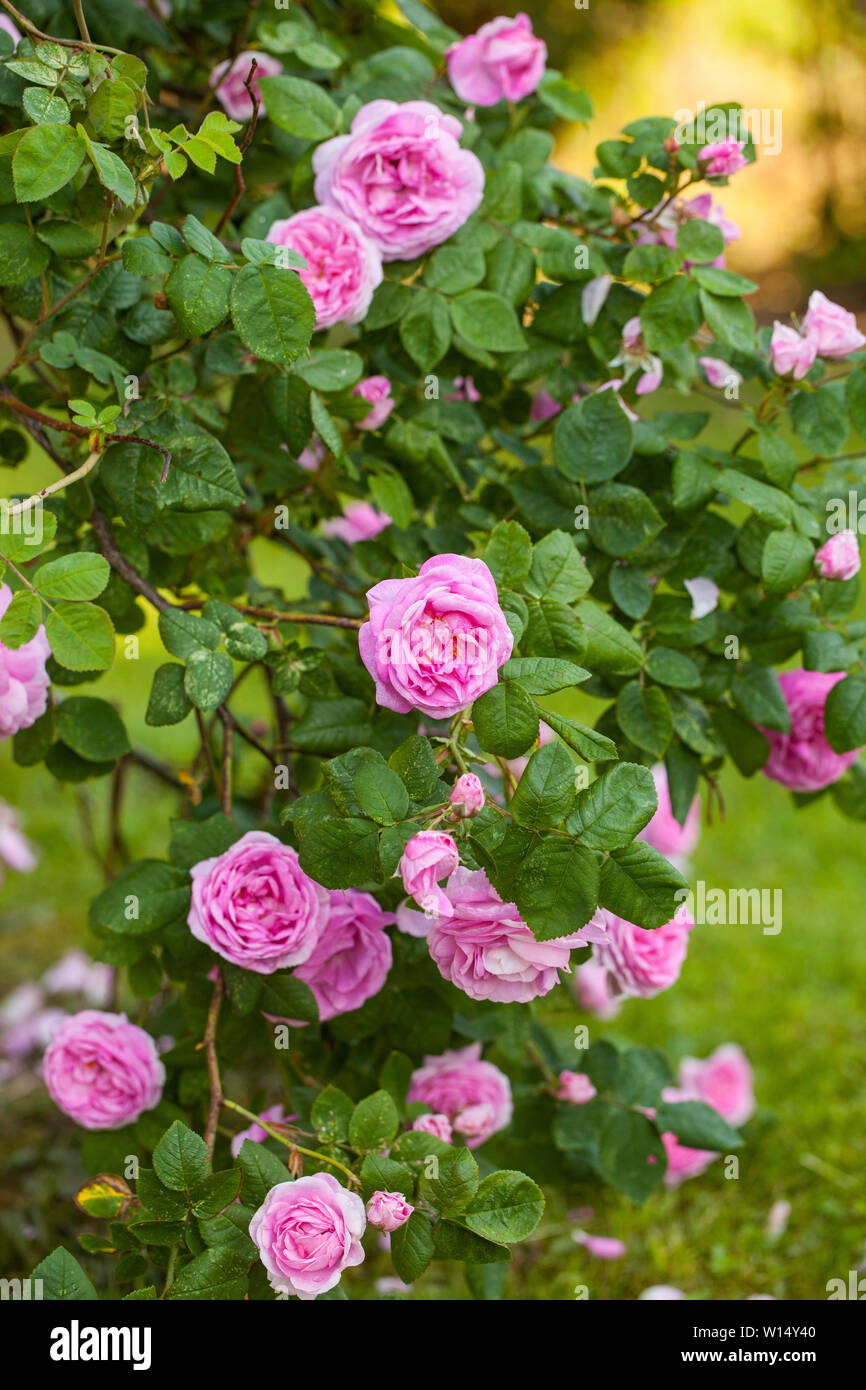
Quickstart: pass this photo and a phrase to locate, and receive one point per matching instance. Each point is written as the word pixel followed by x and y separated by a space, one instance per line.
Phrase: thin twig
pixel 213 1071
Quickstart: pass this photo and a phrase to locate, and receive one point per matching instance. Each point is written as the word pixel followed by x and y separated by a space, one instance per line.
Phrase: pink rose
pixel 720 373
pixel 103 1070
pixel 33 1034
pixel 255 906
pixel 312 458
pixel 664 831
pixel 361 521
pixel 15 848
pixel 352 957
pixel 803 760
pixel 429 856
pixel 464 390
pixel 401 175
pixel 308 1231
pixel 467 795
pixel 484 947
pixel 437 1125
pixel 411 922
pixel 575 1087
pixel 454 1083
pixel 435 643
pixel 830 327
pixel 592 991
pixel 388 1210
pixel 790 353
pixel 504 61
pixel 343 267
pixel 275 1114
pixel 229 78
pixel 723 158
pixel 76 973
pixel 839 557
pixel 643 962
pixel 23 681
pixel 543 407
pixel 376 390
pixel 603 1247
pixel 723 1080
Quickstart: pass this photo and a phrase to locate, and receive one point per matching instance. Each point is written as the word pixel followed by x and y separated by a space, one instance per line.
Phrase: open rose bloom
pixel 230 80
pixel 255 906
pixel 503 61
pixel 23 679
pixel 401 176
pixel 308 1231
pixel 436 642
pixel 473 1094
pixel 803 760
pixel 343 266
pixel 103 1070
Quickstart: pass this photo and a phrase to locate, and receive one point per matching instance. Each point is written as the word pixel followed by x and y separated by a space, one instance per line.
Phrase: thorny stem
pixel 213 1071
pixel 289 1143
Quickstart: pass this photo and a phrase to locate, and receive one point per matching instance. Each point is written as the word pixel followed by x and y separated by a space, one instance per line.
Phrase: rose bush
pixel 269 280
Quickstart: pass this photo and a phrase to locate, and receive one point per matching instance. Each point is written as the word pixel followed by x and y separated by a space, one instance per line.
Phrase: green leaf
pixel 199 239
pixel 45 159
pixel 611 812
pixel 592 746
pixel 416 766
pixel 412 1247
pixel 757 693
pixel 381 794
pixel 331 370
pixel 215 1274
pixel 557 888
pixel 631 1154
pixel 184 633
pixel 217 1192
pixel 546 790
pixel 747 746
pixel 670 667
pixel 168 702
pixel 332 1110
pixel 509 554
pixel 111 170
pixel 341 852
pixel 505 720
pixel 819 420
pixel 282 996
pixel 566 100
pixel 374 1122
pixel 391 494
pixel 63 1279
pixel 22 619
pixel 486 321
pixel 611 650
pixel 261 1170
pixel 845 714
pixel 380 1174
pixel 670 315
pixel 180 1159
pixel 453 1241
pixel 198 294
pixel 272 311
pixel 640 886
pixel 700 241
pixel 21 255
pixel 644 716
pixel 722 282
pixel 592 439
pixel 91 728
pixel 729 320
pixel 425 331
pixel 142 898
pixel 622 519
pixel 541 675
pixel 81 636
pixel 81 576
pixel 332 726
pixel 696 1125
pixel 786 561
pixel 455 1184
pixel 208 678
pixel 300 107
pixel 202 476
pixel 507 1207
pixel 558 571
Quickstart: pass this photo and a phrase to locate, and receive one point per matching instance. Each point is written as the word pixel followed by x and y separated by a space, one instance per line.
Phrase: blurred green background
pixel 795 1001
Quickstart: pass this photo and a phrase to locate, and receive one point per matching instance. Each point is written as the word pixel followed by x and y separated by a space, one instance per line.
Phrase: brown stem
pixel 228 723
pixel 241 187
pixel 213 1071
